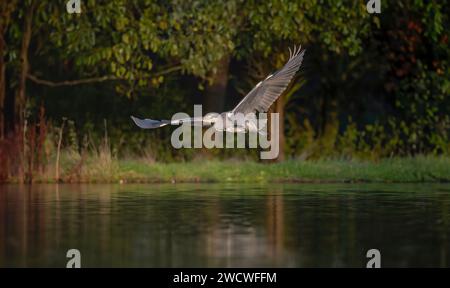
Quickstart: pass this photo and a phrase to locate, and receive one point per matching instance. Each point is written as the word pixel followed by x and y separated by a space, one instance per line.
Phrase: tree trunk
pixel 6 9
pixel 2 84
pixel 24 65
pixel 215 93
pixel 279 108
pixel 329 126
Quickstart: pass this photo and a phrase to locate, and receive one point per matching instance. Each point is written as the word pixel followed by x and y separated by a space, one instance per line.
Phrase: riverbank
pixel 398 170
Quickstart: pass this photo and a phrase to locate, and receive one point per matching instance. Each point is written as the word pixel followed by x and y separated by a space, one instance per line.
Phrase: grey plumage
pixel 259 99
pixel 262 96
pixel 149 123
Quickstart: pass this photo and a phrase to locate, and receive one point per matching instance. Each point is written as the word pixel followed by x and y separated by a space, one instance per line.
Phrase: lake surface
pixel 217 225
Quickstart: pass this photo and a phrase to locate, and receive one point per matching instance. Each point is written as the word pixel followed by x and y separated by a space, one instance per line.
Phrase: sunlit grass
pixel 418 169
pixel 103 168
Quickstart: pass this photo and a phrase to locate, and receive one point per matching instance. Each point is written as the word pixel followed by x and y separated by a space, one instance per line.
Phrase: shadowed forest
pixel 371 87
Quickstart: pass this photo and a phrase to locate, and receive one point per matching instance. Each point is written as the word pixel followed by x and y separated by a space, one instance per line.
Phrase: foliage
pixel 420 76
pixel 372 86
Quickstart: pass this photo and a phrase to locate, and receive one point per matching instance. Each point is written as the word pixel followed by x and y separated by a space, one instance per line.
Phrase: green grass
pixel 418 169
pixel 102 168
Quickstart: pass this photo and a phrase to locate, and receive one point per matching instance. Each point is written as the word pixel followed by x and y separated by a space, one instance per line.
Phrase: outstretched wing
pixel 261 97
pixel 149 123
pixel 152 124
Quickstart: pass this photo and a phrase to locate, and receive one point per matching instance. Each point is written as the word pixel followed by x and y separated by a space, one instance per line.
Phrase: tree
pixel 418 76
pixel 272 26
pixel 143 46
pixel 6 10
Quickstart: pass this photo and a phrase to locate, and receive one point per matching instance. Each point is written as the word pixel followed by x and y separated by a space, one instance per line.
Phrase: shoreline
pixel 420 169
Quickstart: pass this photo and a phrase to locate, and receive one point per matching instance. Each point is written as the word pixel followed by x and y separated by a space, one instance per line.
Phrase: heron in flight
pixel 259 99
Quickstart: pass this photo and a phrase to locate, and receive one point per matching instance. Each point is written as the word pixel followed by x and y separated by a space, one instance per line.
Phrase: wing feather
pixel 262 96
pixel 149 123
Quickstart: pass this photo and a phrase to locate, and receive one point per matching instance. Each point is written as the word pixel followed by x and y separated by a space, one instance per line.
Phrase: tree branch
pixel 70 82
pixel 50 83
pixel 169 70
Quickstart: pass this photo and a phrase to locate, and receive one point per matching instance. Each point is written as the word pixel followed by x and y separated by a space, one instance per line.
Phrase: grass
pixel 101 169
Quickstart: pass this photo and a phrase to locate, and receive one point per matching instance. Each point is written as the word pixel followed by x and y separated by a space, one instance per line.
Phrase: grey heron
pixel 259 99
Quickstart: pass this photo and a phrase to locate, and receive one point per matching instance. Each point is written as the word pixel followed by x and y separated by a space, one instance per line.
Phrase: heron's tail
pixel 254 127
pixel 263 130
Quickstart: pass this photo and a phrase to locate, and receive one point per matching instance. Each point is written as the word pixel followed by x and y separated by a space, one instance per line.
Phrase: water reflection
pixel 208 225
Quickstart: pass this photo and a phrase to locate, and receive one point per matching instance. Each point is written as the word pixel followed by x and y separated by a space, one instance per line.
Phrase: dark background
pixel 371 85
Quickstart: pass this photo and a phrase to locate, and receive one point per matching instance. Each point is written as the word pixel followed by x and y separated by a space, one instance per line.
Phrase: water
pixel 211 225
